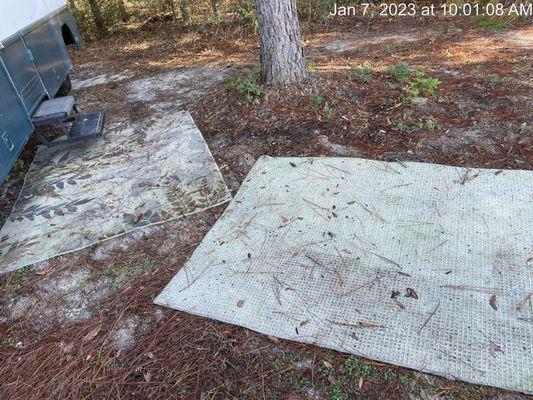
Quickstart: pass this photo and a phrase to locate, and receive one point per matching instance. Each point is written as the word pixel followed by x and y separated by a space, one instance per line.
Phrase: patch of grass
pixel 356 369
pixel 303 383
pixel 277 364
pixel 336 392
pixel 405 379
pixel 19 165
pixel 406 128
pixel 23 272
pixel 247 85
pixel 130 271
pixel 389 375
pixel 400 72
pixel 361 74
pixel 489 23
pixel 431 124
pixel 317 100
pixel 422 85
pixel 14 280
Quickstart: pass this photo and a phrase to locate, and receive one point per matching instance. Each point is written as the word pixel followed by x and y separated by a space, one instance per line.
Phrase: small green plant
pixel 317 100
pixel 361 74
pixel 336 392
pixel 389 375
pixel 247 86
pixel 422 86
pixel 130 271
pixel 303 383
pixel 431 124
pixel 369 371
pixel 23 272
pixel 19 165
pixel 311 66
pixel 406 128
pixel 405 379
pixel 10 341
pixel 400 72
pixel 352 365
pixel 356 369
pixel 463 114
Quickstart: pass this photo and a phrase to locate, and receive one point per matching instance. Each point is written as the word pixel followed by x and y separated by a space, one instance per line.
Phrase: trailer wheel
pixel 65 87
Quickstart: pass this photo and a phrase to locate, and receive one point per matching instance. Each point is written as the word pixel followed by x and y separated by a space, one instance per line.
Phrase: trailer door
pixel 15 127
pixel 51 57
pixel 19 63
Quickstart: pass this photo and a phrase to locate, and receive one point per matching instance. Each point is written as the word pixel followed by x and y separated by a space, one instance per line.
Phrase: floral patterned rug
pixel 137 175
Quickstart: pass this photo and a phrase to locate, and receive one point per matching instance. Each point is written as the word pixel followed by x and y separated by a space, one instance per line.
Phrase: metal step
pixel 87 126
pixel 51 111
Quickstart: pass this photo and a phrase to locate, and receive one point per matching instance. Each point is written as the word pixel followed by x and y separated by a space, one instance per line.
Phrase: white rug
pixel 419 265
pixel 79 194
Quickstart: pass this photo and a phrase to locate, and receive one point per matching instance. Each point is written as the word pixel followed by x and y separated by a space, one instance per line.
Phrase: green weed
pixel 317 100
pixel 248 86
pixel 361 74
pixel 311 66
pixel 356 369
pixel 405 379
pixel 336 392
pixel 130 271
pixel 431 124
pixel 406 128
pixel 389 375
pixel 491 24
pixel 422 86
pixel 400 72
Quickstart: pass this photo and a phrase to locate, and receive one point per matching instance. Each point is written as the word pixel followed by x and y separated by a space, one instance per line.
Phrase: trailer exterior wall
pixel 15 127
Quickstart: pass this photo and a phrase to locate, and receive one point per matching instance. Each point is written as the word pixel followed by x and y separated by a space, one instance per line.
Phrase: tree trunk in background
pixel 282 55
pixel 99 23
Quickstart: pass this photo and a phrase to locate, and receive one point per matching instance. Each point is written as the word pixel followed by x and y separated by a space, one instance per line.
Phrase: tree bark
pixel 282 55
pixel 99 23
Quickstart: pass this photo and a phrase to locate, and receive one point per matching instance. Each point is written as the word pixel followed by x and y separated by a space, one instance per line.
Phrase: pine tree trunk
pixel 282 55
pixel 99 23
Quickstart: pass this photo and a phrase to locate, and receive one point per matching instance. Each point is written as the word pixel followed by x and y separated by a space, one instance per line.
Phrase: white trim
pixel 18 15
